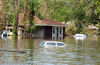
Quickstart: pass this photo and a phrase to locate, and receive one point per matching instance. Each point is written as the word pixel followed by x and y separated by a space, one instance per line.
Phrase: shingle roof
pixel 46 22
pixel 51 22
pixel 37 21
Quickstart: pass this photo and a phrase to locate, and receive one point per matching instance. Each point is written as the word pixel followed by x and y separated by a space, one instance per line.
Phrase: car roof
pixel 53 41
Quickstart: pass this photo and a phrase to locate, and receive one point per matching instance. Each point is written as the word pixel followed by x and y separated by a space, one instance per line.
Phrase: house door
pixel 57 33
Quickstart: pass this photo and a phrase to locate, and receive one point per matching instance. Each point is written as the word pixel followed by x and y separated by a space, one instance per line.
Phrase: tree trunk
pixel 16 18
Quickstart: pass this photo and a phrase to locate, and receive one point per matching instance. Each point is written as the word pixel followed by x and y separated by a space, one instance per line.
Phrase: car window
pixel 51 43
pixel 42 43
pixel 60 44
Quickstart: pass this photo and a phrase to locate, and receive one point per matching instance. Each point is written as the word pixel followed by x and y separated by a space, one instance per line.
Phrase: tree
pixel 97 10
pixel 30 10
pixel 16 18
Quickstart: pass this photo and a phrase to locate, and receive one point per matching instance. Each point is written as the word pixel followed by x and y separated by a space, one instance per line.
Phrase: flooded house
pixel 9 29
pixel 49 29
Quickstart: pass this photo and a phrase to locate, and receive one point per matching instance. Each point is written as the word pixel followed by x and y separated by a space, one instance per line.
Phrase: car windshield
pixel 60 44
pixel 51 43
pixel 42 43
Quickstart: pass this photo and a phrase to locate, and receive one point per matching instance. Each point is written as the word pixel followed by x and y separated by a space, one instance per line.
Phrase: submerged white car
pixel 80 36
pixel 52 44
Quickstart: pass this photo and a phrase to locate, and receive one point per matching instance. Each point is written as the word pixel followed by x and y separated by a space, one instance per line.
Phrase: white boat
pixel 79 35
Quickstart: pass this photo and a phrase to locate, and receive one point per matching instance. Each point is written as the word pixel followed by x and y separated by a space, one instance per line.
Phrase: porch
pixel 49 32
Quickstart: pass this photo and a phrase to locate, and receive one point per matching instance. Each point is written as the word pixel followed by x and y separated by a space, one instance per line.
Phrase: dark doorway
pixel 48 32
pixel 57 35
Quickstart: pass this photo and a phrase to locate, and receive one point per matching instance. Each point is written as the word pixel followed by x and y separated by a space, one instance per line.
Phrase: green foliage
pixel 31 29
pixel 79 26
pixel 60 12
pixel 22 4
pixel 62 15
pixel 7 7
pixel 98 26
pixel 31 9
pixel 10 17
pixel 79 13
pixel 97 10
pixel 40 16
pixel 15 24
pixel 72 29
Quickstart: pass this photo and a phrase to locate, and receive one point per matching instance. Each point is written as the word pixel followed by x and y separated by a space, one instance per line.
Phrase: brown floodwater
pixel 29 52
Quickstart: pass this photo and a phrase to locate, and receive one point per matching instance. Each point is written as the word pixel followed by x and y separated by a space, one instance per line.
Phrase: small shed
pixel 9 29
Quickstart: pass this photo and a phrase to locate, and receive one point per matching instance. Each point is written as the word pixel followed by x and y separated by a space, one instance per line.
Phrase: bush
pixel 98 26
pixel 71 29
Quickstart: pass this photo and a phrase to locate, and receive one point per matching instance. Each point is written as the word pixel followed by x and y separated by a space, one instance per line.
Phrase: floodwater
pixel 29 52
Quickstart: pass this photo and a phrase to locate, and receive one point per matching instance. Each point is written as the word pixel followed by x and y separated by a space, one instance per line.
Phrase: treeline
pixel 80 12
pixel 86 11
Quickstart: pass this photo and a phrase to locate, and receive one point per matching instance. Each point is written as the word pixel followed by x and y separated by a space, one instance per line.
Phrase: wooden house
pixel 49 29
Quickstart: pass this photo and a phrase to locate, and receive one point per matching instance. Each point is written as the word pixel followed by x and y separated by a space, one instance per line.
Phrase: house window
pixel 53 30
pixel 10 30
pixel 22 31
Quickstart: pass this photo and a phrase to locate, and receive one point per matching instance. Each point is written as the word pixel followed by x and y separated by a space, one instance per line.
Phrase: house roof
pixel 38 22
pixel 46 22
pixel 51 22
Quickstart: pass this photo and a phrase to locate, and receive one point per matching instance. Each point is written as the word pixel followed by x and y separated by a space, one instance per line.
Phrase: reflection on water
pixel 86 52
